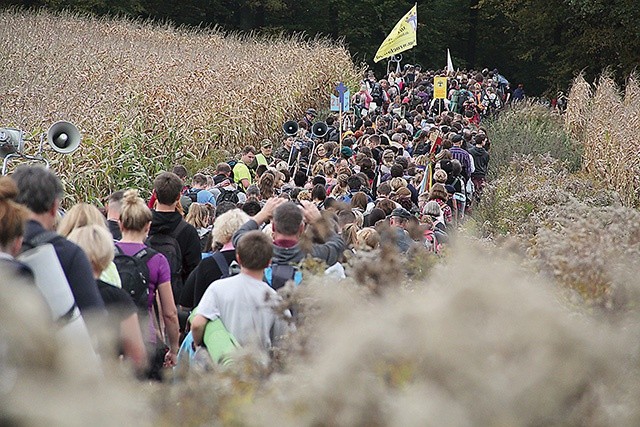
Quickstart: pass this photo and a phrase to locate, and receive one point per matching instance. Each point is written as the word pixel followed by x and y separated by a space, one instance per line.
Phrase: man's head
pixel 354 183
pixel 199 181
pixel 248 154
pixel 181 171
pixel 399 217
pixel 114 205
pixel 254 251
pixel 287 220
pixel 223 169
pixel 310 114
pixel 168 187
pixel 288 142
pixel 39 189
pixel 266 148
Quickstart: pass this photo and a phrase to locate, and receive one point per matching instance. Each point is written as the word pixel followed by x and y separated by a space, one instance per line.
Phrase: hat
pixel 346 151
pixel 266 143
pixel 401 213
pixel 456 138
pixel 432 208
pixel 311 111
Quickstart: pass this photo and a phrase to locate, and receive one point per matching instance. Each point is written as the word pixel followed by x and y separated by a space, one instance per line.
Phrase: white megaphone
pixel 63 137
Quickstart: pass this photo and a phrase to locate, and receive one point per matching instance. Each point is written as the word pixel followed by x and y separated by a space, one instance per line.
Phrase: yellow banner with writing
pixel 401 38
pixel 439 87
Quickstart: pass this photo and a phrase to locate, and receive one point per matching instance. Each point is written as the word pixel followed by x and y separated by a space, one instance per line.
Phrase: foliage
pixel 146 96
pixel 542 44
pixel 530 128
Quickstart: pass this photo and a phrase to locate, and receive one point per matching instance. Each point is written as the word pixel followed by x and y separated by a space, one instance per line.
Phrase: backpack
pixel 134 274
pixel 228 196
pixel 376 93
pixel 463 96
pixel 277 275
pixel 168 246
pixel 226 269
pixel 193 194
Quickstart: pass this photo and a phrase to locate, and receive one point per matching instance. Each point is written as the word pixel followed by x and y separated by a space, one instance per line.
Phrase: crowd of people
pixel 203 259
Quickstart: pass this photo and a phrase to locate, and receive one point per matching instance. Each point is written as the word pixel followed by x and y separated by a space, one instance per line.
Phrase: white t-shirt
pixel 246 307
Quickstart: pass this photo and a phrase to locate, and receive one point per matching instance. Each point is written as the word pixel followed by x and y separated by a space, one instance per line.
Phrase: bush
pixel 530 128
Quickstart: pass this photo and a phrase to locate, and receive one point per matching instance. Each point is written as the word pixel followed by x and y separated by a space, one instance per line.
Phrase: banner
pixel 401 38
pixel 439 87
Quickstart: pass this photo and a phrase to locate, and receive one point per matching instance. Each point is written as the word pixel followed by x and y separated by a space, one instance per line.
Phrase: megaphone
pixel 11 141
pixel 397 57
pixel 290 128
pixel 319 129
pixel 63 137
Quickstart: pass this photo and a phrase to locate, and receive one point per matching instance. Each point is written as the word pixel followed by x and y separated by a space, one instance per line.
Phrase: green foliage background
pixel 541 43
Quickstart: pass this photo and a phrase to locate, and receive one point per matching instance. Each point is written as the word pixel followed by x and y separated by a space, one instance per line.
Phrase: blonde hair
pixel 440 176
pixel 198 215
pixel 227 224
pixel 96 241
pixel 368 239
pixel 135 214
pixel 359 217
pixel 78 216
pixel 350 234
pixel 397 183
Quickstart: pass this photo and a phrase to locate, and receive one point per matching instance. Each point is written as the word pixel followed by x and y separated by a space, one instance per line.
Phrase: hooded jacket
pixel 188 240
pixel 329 252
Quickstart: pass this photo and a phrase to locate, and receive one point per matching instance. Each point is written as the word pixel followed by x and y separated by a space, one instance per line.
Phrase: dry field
pixel 147 95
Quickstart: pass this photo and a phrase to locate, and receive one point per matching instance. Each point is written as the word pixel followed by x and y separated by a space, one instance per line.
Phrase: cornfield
pixel 605 122
pixel 146 95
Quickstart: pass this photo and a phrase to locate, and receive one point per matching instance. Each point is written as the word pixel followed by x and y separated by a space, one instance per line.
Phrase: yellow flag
pixel 401 38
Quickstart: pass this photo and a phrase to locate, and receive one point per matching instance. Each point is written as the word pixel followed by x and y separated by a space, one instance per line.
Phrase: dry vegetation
pixel 541 332
pixel 605 122
pixel 145 96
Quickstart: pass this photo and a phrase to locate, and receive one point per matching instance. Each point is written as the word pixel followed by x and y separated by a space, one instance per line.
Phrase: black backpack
pixel 193 194
pixel 134 274
pixel 225 269
pixel 228 196
pixel 167 245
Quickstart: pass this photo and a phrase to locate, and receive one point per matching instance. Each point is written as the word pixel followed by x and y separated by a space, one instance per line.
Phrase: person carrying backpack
pixel 288 222
pixel 170 234
pixel 246 306
pixel 217 266
pixel 138 266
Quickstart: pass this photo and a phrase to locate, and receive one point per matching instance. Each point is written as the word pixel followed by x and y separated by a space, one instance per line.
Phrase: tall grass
pixel 147 95
pixel 530 128
pixel 605 122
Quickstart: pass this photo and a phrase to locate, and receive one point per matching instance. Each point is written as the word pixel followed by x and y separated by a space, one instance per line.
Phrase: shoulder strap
pixel 40 239
pixel 222 263
pixel 176 231
pixel 145 254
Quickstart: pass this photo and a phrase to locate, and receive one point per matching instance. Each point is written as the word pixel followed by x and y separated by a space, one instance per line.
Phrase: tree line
pixel 541 43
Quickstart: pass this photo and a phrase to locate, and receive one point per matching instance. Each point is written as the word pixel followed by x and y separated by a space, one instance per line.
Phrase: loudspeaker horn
pixel 397 57
pixel 319 129
pixel 290 128
pixel 63 137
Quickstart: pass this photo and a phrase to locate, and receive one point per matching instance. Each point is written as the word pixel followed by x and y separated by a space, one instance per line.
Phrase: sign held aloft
pixel 401 38
pixel 439 87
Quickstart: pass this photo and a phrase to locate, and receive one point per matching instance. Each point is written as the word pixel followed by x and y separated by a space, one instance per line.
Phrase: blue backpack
pixel 277 275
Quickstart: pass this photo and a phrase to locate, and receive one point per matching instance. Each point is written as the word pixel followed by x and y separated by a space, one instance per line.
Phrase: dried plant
pixel 146 96
pixel 605 122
